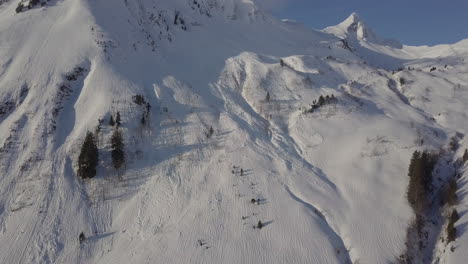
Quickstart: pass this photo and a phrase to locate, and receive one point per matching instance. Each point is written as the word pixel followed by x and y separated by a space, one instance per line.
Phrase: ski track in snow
pixel 335 237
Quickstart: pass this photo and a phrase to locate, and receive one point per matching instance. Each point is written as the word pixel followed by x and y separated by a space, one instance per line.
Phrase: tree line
pixel 322 100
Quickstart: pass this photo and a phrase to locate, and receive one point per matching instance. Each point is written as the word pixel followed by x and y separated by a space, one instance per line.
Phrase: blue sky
pixel 413 22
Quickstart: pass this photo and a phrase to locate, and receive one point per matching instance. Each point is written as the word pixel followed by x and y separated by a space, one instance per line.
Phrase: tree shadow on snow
pixel 461 228
pixel 267 223
pixel 97 237
pixel 462 186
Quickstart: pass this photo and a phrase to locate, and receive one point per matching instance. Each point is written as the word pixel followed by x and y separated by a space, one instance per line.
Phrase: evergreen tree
pixel 259 225
pixel 321 100
pixel 210 132
pixel 454 216
pixel 88 159
pixel 148 108
pixel 465 156
pixel 111 121
pixel 117 119
pixel 451 232
pixel 117 145
pixel 81 237
pixel 267 97
pixel 143 120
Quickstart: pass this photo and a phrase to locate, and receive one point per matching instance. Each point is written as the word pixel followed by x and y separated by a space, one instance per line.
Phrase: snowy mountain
pixel 228 117
pixel 354 29
pixel 359 38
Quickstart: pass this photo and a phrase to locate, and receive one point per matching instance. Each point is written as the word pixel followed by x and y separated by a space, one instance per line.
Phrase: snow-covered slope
pixel 330 183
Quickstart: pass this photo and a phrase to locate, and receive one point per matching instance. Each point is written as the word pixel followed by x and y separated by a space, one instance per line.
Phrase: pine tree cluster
pixel 328 99
pixel 420 180
pixel 88 158
pixel 117 121
pixel 141 101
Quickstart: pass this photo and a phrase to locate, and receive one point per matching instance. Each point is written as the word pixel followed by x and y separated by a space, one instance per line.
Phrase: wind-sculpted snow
pixel 220 104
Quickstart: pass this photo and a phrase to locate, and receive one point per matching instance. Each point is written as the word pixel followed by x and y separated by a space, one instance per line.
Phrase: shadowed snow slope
pixel 329 184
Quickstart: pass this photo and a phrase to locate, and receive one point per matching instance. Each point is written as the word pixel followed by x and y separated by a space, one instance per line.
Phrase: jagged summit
pixel 354 29
pixel 349 26
pixel 353 18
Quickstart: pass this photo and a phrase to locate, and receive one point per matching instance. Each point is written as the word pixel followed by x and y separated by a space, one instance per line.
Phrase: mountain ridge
pixel 354 29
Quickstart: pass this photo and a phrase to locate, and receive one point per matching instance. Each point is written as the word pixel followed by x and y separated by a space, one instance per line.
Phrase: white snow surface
pixel 331 184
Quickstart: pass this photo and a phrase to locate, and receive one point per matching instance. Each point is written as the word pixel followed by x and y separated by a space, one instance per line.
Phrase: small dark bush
pixel 210 132
pixel 402 81
pixel 81 237
pixel 259 225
